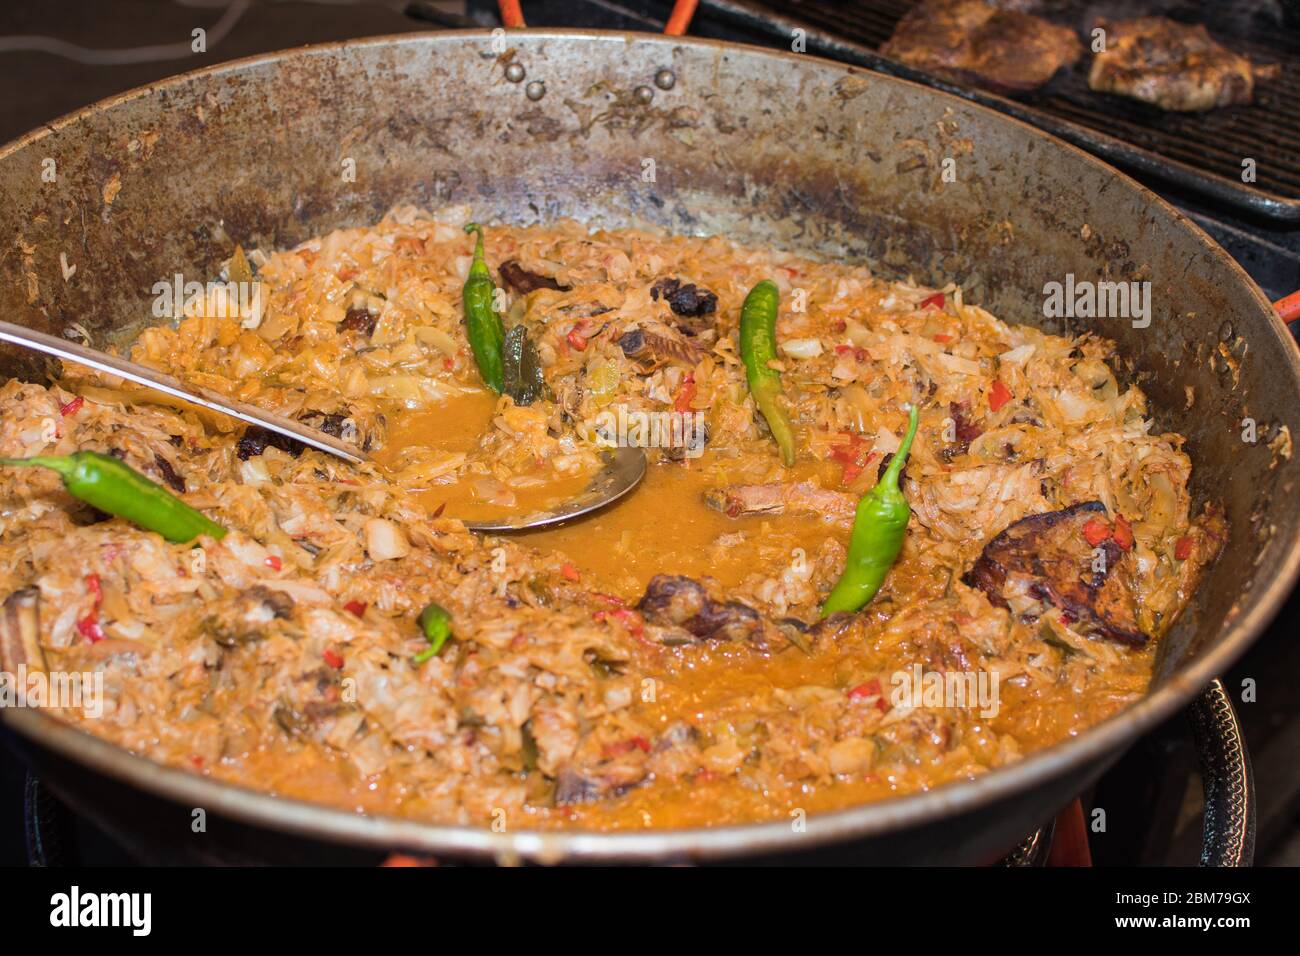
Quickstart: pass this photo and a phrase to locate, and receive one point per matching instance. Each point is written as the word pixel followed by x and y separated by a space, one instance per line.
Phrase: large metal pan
pixel 775 148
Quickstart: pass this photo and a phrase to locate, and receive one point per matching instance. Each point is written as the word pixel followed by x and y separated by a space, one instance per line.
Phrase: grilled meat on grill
pixel 981 43
pixel 1175 66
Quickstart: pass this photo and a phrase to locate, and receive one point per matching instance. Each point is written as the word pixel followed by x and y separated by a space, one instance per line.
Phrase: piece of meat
pixel 331 424
pixel 682 603
pixel 20 633
pixel 359 320
pixel 971 41
pixel 245 620
pixel 691 446
pixel 965 431
pixel 522 281
pixel 1175 66
pixel 312 704
pixel 257 439
pixel 169 476
pixel 804 497
pixel 606 779
pixel 651 350
pixel 571 787
pixel 691 304
pixel 1047 560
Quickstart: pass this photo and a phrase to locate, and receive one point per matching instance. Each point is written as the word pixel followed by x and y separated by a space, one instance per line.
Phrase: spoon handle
pixel 72 352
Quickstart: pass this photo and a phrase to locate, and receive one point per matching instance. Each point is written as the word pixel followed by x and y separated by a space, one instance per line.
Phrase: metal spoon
pixel 39 341
pixel 621 470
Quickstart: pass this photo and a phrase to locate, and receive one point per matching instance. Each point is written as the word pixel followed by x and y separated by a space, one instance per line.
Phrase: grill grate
pixel 1201 152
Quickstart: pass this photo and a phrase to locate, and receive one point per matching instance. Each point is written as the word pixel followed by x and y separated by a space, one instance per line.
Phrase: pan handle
pixel 512 17
pixel 1288 308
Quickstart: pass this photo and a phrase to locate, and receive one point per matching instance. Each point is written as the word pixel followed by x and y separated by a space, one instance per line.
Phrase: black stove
pixel 1182 795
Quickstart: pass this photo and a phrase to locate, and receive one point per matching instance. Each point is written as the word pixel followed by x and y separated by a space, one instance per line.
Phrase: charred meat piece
pixel 1175 66
pixel 965 431
pixel 330 424
pixel 359 320
pixel 520 280
pixel 20 632
pixel 173 481
pixel 673 600
pixel 688 301
pixel 571 787
pixel 776 498
pixel 693 442
pixel 651 350
pixel 257 439
pixel 607 779
pixel 311 704
pixel 975 42
pixel 1047 560
pixel 247 619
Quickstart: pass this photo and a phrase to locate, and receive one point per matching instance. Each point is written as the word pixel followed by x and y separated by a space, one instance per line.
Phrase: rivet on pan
pixel 515 72
pixel 535 90
pixel 643 95
pixel 665 79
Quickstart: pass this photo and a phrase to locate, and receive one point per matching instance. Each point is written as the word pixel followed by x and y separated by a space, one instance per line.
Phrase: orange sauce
pixel 455 428
pixel 665 526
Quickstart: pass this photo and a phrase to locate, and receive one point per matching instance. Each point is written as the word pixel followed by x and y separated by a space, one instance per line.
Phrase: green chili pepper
pixel 113 487
pixel 878 531
pixel 757 349
pixel 435 621
pixel 482 324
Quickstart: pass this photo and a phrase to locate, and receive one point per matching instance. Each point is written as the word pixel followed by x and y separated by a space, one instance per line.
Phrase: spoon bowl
pixel 621 469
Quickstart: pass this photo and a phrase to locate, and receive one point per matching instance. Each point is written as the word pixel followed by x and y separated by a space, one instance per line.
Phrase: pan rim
pixel 1108 737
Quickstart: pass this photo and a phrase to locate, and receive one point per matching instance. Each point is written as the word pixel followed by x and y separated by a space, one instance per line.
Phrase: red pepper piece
pixel 854 455
pixel 999 395
pixel 1123 533
pixel 629 619
pixel 1096 531
pixel 870 689
pixel 576 338
pixel 685 395
pixel 88 626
